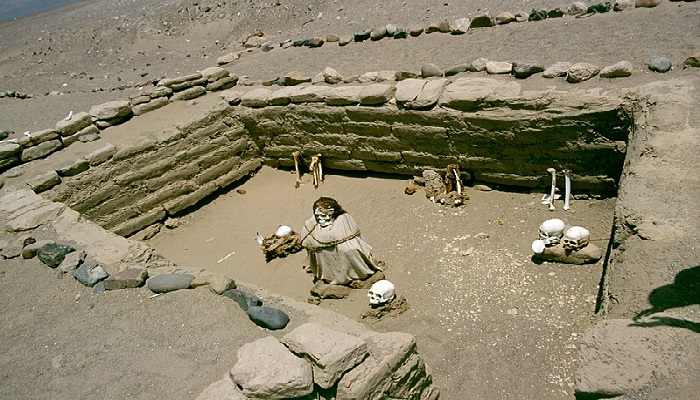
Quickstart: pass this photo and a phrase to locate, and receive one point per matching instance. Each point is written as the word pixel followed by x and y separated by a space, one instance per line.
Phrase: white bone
pixel 554 185
pixel 69 117
pixel 381 292
pixel 458 182
pixel 27 134
pixel 296 168
pixel 567 188
pixel 316 170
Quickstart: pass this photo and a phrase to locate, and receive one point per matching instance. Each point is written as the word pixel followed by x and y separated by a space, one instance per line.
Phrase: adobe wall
pixel 497 135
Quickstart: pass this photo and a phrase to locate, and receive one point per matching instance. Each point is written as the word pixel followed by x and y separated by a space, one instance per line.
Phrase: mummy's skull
pixel 382 292
pixel 551 231
pixel 323 217
pixel 576 238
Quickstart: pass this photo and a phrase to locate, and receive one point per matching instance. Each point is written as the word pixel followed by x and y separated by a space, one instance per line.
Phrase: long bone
pixel 549 199
pixel 296 156
pixel 567 188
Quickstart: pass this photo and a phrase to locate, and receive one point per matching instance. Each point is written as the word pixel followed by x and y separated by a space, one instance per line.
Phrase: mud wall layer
pixel 153 178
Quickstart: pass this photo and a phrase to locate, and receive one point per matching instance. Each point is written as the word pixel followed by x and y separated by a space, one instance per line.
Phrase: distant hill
pixel 10 9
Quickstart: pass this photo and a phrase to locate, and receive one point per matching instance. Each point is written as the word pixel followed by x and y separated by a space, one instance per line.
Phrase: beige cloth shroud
pixel 337 253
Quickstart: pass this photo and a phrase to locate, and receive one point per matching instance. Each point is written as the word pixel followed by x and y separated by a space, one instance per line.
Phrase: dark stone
pixel 401 75
pixel 401 33
pixel 659 64
pixel 52 254
pixel 90 274
pixel 361 36
pixel 537 15
pixel 169 282
pixel 127 279
pixel 456 69
pixel 314 42
pixel 98 289
pixel 299 43
pixel 244 300
pixel 601 7
pixel 524 70
pixel 268 317
pixel 556 13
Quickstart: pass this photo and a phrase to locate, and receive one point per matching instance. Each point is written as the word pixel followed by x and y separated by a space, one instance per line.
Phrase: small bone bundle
pixel 315 168
pixel 283 243
pixel 448 191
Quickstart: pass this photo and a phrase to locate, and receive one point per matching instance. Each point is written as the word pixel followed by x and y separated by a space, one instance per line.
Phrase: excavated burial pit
pixel 419 241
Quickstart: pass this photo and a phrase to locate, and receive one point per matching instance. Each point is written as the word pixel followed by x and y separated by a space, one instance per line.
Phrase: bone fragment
pixel 567 188
pixel 554 185
pixel 316 170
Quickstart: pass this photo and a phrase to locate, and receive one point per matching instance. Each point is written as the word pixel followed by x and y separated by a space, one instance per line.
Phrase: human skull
pixel 283 231
pixel 576 238
pixel 381 292
pixel 551 231
pixel 323 217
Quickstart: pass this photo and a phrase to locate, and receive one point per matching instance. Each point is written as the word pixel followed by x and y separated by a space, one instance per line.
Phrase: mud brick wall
pixel 511 142
pixel 155 178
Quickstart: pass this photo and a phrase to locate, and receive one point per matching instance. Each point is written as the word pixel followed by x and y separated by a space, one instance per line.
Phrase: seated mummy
pixel 337 252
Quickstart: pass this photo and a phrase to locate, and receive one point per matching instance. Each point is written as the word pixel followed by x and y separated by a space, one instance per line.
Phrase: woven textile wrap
pixel 337 253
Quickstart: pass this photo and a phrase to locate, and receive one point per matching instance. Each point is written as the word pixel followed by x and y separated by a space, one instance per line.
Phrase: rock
pixel 418 93
pixel 692 61
pixel 482 21
pixel 537 15
pixel 659 64
pixel 498 67
pixel 522 70
pixel 77 122
pixel 189 93
pixel 600 8
pixel 214 73
pixel 504 18
pixel 521 16
pixel 220 284
pixel 456 69
pixel 361 36
pixel 401 33
pixel 442 26
pixel 110 110
pixel 581 72
pixel 30 250
pixel 295 78
pixel 617 70
pixel 415 31
pixel 127 279
pixel 588 255
pixel 89 274
pixel 621 5
pixel 314 42
pixel 577 8
pixel 378 33
pixel 459 26
pixel 332 38
pixel 244 300
pixel 233 97
pixel 391 29
pixel 44 182
pixel 478 65
pixel 325 291
pixel 169 282
pixel 228 58
pixel 72 261
pixel 556 70
pixel 401 75
pixel 266 369
pixel 268 317
pixel 430 70
pixel 52 254
pixel 330 353
pixel 345 40
pixel 376 94
pixel 222 389
pixel 331 76
pixel 555 13
pixel 647 3
pixel 367 282
pixel 483 188
pixel 101 155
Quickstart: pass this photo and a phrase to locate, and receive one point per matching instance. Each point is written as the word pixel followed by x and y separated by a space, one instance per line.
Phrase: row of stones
pixel 85 126
pixel 67 260
pixel 313 361
pixel 457 27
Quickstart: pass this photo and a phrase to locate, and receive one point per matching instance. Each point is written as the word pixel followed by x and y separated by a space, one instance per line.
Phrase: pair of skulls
pixel 381 292
pixel 551 232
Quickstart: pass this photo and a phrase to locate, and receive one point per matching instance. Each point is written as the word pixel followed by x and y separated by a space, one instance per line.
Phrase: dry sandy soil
pixel 488 321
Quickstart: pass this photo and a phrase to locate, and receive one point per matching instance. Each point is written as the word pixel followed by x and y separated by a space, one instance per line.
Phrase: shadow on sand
pixel 684 291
